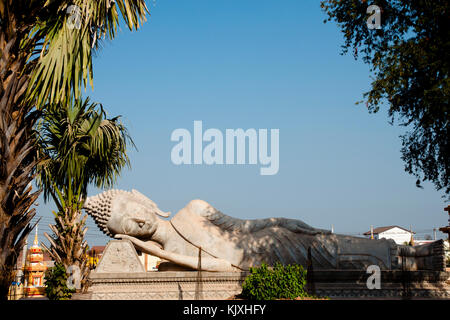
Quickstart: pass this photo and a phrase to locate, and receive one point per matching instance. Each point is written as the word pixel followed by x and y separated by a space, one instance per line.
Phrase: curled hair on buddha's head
pixel 99 206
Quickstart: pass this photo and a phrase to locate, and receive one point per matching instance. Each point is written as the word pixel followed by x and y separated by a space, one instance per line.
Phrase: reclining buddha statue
pixel 199 232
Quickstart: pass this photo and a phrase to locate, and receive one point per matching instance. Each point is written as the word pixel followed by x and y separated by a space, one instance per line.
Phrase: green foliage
pixel 409 57
pixel 279 282
pixel 63 65
pixel 43 61
pixel 56 283
pixel 80 146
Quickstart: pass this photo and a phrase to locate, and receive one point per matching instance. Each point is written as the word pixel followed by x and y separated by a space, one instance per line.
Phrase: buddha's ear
pixel 162 213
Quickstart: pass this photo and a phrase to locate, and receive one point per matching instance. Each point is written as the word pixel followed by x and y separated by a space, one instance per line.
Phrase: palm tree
pixel 44 58
pixel 80 146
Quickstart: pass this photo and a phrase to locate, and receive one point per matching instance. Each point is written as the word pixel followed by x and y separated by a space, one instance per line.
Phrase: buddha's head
pixel 124 212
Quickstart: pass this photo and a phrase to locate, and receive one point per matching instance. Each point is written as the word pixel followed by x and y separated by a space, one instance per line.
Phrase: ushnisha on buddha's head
pixel 124 212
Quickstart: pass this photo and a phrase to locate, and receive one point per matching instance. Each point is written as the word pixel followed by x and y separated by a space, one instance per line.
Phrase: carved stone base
pixel 335 284
pixel 343 284
pixel 167 285
pixel 120 276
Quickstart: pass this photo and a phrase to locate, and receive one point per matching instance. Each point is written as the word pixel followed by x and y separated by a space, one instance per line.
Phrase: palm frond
pixel 81 146
pixel 64 65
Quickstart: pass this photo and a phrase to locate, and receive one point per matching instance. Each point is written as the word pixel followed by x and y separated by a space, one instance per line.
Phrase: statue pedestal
pixel 394 284
pixel 335 284
pixel 121 276
pixel 164 285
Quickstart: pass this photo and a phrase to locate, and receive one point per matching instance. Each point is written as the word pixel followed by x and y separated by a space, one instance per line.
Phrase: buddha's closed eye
pixel 133 224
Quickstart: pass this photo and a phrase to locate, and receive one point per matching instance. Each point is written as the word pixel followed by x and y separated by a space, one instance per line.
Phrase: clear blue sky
pixel 257 64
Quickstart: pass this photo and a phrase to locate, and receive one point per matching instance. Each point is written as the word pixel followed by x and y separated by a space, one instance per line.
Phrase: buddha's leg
pixel 424 257
pixel 415 263
pixel 359 253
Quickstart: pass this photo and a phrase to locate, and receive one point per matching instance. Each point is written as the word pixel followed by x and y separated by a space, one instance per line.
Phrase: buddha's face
pixel 132 218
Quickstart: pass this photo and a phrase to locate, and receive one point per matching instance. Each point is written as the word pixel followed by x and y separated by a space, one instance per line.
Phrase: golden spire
pixel 36 242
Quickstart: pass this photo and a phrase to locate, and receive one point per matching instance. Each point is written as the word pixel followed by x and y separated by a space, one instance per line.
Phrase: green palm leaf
pixel 64 64
pixel 81 146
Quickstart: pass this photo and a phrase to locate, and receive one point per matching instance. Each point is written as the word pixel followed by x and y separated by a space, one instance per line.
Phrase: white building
pixel 149 262
pixel 398 234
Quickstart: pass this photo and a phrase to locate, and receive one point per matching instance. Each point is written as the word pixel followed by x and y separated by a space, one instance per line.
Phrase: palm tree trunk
pixel 17 156
pixel 67 245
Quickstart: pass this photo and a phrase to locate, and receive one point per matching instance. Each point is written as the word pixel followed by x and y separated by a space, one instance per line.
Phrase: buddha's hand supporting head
pixel 123 212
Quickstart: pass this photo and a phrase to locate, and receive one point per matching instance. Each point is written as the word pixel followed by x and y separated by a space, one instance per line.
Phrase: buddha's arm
pixel 207 263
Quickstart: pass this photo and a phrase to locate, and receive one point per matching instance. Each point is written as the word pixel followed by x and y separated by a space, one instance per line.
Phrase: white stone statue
pixel 230 244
